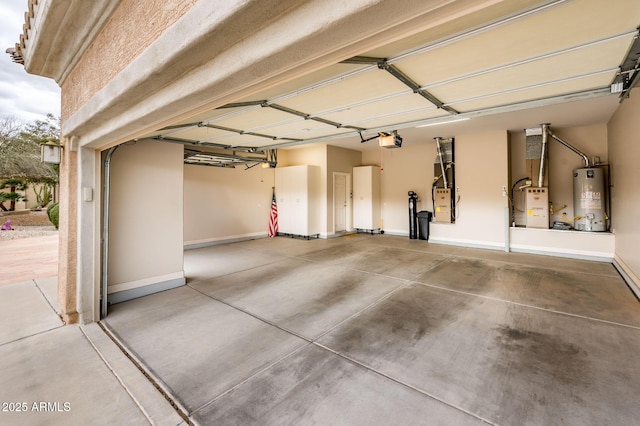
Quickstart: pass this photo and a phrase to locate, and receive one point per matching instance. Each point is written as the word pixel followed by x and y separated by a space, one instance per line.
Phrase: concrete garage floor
pixel 386 330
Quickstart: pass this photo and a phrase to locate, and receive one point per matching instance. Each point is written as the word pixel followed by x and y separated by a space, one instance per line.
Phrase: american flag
pixel 273 218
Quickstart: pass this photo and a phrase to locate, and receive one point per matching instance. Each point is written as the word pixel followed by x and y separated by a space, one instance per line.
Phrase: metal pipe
pixel 545 136
pixel 572 148
pixel 105 229
pixel 444 172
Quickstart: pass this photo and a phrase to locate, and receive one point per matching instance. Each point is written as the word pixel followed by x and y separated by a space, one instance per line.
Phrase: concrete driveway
pixel 28 258
pixel 62 375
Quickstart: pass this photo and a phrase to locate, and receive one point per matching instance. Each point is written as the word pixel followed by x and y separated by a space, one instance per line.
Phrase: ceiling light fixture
pixel 438 123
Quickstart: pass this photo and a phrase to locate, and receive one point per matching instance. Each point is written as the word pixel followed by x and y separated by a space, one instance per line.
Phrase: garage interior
pixel 493 319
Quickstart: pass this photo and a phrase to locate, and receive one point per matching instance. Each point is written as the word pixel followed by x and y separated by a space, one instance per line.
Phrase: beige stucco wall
pixel 121 40
pixel 225 204
pixel 145 220
pixel 624 156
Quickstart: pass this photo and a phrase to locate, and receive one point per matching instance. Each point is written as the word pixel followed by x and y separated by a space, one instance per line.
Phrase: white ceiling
pixel 514 71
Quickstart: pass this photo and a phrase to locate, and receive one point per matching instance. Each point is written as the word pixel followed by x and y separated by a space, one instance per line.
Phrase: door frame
pixel 349 206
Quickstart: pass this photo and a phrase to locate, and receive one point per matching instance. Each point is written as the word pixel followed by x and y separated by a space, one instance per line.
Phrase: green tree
pixel 14 185
pixel 20 157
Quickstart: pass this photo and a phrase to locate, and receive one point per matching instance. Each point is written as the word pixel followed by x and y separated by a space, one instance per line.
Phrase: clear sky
pixel 22 95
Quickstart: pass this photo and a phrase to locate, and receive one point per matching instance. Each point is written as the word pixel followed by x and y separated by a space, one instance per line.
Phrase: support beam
pixel 383 64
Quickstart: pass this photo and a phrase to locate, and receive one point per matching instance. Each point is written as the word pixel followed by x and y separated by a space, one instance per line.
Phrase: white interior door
pixel 340 201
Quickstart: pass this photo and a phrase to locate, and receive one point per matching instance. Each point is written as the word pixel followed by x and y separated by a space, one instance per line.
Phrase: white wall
pixel 624 156
pixel 402 170
pixel 481 170
pixel 225 203
pixel 145 219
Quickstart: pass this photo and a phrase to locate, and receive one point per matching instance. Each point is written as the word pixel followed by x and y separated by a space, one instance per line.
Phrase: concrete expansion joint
pixel 402 383
pixel 267 367
pixel 524 305
pixel 259 318
pixel 31 335
pixel 181 411
pixel 46 300
pixel 361 311
pixel 505 262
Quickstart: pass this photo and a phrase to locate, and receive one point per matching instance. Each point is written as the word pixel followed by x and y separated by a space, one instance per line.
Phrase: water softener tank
pixel 589 199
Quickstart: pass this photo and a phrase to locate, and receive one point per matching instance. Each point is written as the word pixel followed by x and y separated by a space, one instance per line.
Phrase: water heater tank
pixel 589 199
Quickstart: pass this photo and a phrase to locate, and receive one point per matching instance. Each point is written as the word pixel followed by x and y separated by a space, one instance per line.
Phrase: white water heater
pixel 589 199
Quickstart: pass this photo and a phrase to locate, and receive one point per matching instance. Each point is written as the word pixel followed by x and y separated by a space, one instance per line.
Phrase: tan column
pixel 68 234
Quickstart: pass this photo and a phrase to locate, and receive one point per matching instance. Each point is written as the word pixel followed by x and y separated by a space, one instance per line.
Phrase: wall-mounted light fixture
pixel 50 152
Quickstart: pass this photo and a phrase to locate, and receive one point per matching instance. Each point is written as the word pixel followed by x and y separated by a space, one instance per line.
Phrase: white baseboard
pixel 133 289
pixel 195 244
pixel 486 245
pixel 114 288
pixel 632 280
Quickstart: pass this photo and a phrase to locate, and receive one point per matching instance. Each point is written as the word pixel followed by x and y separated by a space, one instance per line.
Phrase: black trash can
pixel 424 218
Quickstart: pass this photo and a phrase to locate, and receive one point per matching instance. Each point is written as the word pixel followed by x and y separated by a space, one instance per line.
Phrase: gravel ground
pixel 26 225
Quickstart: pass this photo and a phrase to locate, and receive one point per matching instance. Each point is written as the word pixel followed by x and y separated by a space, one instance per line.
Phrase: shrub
pixel 53 211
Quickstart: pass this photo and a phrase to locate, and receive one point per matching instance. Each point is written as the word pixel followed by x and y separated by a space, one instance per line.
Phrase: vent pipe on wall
pixel 442 169
pixel 543 153
pixel 572 148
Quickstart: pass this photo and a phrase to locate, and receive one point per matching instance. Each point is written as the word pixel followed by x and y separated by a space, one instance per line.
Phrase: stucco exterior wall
pixel 121 40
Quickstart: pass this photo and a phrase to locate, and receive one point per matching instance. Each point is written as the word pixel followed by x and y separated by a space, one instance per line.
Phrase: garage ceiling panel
pixel 255 118
pixel 319 133
pixel 292 86
pixel 406 102
pixel 358 88
pixel 196 133
pixel 556 89
pixel 564 26
pixel 298 126
pixel 403 117
pixel 212 114
pixel 467 19
pixel 580 62
pixel 237 140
